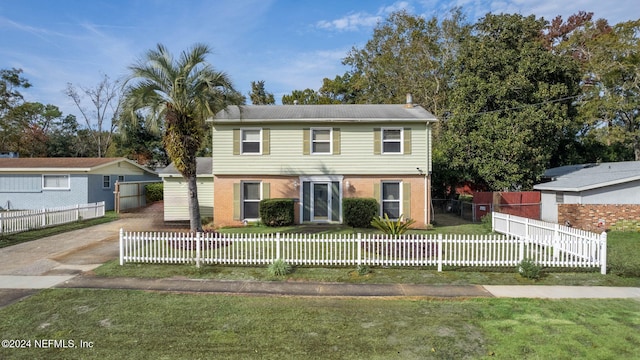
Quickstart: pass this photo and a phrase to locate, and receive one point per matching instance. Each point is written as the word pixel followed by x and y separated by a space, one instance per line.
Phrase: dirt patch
pixel 10 296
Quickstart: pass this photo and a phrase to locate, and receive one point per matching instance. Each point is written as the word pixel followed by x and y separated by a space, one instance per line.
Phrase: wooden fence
pixel 345 249
pixel 130 195
pixel 12 222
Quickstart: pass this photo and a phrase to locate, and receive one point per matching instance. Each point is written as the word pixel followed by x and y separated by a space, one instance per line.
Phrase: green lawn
pixel 147 325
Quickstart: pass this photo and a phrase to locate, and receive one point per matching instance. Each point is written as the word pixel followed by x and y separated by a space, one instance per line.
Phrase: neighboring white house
pixel 616 183
pixel 176 207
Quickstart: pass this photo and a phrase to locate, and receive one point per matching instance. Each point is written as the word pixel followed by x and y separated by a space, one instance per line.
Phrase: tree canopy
pixel 259 96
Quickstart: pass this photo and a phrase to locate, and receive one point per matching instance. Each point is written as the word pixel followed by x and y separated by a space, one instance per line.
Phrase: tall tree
pixel 611 101
pixel 303 97
pixel 342 89
pixel 10 98
pixel 180 94
pixel 101 117
pixel 511 104
pixel 259 96
pixel 63 139
pixel 408 54
pixel 135 141
pixel 33 124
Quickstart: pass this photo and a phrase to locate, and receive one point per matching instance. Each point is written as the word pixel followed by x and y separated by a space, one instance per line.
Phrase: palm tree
pixel 178 96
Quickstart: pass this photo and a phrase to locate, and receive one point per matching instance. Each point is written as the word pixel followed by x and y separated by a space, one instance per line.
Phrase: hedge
pixel 358 212
pixel 277 212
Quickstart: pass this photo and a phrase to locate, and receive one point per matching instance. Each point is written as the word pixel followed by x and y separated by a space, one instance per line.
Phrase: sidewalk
pixel 293 288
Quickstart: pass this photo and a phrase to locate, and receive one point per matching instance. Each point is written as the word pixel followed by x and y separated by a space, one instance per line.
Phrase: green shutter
pixel 266 141
pixel 306 201
pixel 376 195
pixel 236 201
pixel 335 201
pixel 266 190
pixel 377 142
pixel 336 141
pixel 407 141
pixel 236 141
pixel 406 200
pixel 306 146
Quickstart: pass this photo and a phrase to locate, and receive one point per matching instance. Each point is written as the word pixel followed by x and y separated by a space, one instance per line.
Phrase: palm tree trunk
pixel 194 206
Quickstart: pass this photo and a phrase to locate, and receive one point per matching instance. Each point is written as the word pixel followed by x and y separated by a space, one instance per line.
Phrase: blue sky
pixel 291 45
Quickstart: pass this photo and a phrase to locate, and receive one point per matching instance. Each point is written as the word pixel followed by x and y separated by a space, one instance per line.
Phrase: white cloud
pixel 359 20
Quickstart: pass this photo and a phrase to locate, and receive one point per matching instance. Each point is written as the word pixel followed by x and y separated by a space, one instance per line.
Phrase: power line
pixel 516 107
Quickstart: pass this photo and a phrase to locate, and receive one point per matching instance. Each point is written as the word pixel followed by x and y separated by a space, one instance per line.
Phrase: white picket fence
pixel 566 243
pixel 346 250
pixel 12 222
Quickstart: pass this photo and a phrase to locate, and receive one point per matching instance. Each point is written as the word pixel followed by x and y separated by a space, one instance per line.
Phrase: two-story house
pixel 318 155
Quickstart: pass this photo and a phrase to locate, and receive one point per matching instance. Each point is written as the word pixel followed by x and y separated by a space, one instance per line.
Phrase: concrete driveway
pixel 81 250
pixel 44 263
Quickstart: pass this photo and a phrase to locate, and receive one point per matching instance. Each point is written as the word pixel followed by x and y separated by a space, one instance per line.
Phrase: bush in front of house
pixel 277 212
pixel 392 227
pixel 154 192
pixel 279 268
pixel 358 212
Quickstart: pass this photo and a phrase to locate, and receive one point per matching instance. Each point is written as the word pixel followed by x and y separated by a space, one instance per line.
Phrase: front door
pixel 321 202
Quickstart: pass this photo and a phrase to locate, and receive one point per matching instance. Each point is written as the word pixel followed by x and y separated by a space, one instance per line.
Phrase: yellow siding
pixel 121 168
pixel 286 153
pixel 176 206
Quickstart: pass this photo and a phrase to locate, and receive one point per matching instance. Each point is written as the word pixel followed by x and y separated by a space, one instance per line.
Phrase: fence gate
pixel 130 195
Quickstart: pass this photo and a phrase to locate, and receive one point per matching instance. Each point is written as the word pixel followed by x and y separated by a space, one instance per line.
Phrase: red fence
pixel 524 203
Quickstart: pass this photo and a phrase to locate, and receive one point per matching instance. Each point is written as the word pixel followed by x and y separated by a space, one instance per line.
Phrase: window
pixel 251 141
pixel 106 181
pixel 55 182
pixel 120 178
pixel 250 200
pixel 321 141
pixel 391 199
pixel 391 141
pixel 559 198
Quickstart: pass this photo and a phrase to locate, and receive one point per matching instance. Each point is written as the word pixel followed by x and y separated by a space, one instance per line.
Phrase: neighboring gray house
pixel 615 183
pixel 36 183
pixel 176 207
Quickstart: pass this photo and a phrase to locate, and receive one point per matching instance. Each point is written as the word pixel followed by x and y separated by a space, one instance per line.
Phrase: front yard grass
pixel 124 324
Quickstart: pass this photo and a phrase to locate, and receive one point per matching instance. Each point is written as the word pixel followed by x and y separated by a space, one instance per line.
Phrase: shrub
pixel 154 192
pixel 277 212
pixel 487 222
pixel 279 268
pixel 392 227
pixel 529 269
pixel 358 212
pixel 363 270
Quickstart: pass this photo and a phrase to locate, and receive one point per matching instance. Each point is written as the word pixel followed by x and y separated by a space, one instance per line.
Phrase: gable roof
pixel 204 168
pixel 583 177
pixel 61 164
pixel 331 113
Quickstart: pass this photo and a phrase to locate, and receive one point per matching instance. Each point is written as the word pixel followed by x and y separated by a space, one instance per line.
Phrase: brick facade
pixel 595 217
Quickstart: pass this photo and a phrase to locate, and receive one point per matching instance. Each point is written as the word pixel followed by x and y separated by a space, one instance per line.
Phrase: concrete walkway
pixel 63 261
